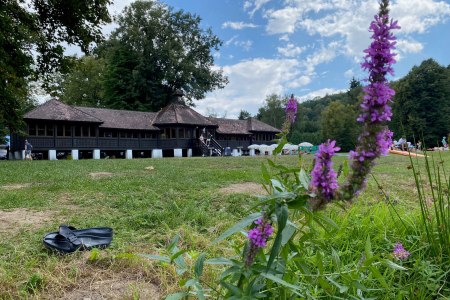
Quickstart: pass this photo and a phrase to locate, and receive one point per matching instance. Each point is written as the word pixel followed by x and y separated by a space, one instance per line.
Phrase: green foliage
pixel 421 107
pixel 30 45
pixel 154 51
pixel 83 86
pixel 272 112
pixel 339 123
pixel 243 115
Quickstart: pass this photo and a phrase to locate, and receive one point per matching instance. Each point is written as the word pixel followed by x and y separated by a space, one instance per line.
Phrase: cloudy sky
pixel 306 47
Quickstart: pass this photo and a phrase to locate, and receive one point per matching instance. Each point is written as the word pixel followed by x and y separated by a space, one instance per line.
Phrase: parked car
pixel 3 154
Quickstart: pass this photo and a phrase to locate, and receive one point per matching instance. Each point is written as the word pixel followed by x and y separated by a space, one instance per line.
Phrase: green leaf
pixel 345 169
pixel 378 276
pixel 177 254
pixel 173 243
pixel 342 288
pixel 336 259
pixel 288 232
pixel 282 216
pixel 235 291
pixel 276 279
pixel 304 179
pixel 219 261
pixel 198 269
pixel 199 290
pixel 368 248
pixel 177 296
pixel 238 226
pixel 156 257
pixel 277 186
pixel 298 202
pixel 392 265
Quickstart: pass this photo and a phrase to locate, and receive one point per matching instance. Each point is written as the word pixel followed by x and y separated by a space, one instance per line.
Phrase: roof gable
pixel 176 113
pixel 58 111
pixel 248 126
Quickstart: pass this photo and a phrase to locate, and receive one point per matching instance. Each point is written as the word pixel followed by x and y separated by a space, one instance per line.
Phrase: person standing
pixel 28 148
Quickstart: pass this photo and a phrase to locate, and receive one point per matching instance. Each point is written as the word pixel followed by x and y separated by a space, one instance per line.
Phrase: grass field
pixel 146 202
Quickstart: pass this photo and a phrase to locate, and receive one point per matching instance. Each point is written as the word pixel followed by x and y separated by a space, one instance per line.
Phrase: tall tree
pixel 154 51
pixel 339 123
pixel 31 37
pixel 421 104
pixel 243 115
pixel 272 112
pixel 84 84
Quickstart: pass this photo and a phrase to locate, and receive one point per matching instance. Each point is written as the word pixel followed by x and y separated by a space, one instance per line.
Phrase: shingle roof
pixel 257 125
pixel 232 126
pixel 56 110
pixel 122 119
pixel 177 113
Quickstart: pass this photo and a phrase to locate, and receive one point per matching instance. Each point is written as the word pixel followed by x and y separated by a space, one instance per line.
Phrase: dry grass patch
pixel 97 175
pixel 13 221
pixel 250 188
pixel 17 186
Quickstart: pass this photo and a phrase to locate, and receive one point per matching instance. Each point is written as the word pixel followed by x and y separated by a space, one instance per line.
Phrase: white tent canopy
pixel 305 144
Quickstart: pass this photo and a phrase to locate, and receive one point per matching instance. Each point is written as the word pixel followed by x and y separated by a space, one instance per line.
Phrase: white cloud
pixel 319 93
pixel 290 50
pixel 250 82
pixel 409 46
pixel 284 37
pixel 323 55
pixel 238 25
pixel 244 44
pixel 349 73
pixel 256 4
pixel 347 20
pixel 282 20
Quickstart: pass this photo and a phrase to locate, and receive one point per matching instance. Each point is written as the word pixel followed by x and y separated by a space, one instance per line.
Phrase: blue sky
pixel 306 47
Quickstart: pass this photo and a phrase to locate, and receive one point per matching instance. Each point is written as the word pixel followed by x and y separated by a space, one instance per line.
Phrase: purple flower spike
pixel 323 177
pixel 258 238
pixel 291 110
pixel 400 253
pixel 375 139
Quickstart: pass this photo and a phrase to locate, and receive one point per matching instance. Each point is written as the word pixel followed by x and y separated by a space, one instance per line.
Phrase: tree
pixel 84 84
pixel 421 106
pixel 272 112
pixel 243 115
pixel 154 51
pixel 31 34
pixel 339 123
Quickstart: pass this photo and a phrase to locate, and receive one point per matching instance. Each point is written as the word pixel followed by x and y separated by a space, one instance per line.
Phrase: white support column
pixel 177 152
pixel 74 154
pixel 52 155
pixel 252 152
pixel 157 153
pixel 189 153
pixel 235 152
pixel 129 154
pixel 96 154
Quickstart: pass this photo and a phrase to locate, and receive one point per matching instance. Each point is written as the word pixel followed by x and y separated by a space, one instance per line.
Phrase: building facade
pixel 56 130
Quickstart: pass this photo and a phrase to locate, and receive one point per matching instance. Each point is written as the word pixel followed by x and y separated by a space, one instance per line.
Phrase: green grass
pixel 146 208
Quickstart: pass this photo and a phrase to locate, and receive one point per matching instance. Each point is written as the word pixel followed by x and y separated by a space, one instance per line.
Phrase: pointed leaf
pixel 198 269
pixel 238 226
pixel 393 265
pixel 304 179
pixel 278 280
pixel 265 173
pixel 177 296
pixel 368 249
pixel 156 257
pixel 219 261
pixel 282 216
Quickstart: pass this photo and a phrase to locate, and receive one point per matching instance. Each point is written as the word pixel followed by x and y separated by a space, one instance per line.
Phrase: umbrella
pixel 253 146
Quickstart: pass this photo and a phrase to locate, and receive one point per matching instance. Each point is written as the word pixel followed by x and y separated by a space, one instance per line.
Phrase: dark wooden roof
pixel 58 111
pixel 248 126
pixel 122 119
pixel 177 113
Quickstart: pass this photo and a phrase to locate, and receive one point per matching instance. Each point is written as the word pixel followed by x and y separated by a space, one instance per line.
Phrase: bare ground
pixel 12 221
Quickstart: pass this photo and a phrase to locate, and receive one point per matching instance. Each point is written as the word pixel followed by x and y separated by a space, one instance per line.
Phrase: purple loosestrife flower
pixel 258 238
pixel 375 138
pixel 323 177
pixel 291 110
pixel 399 252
